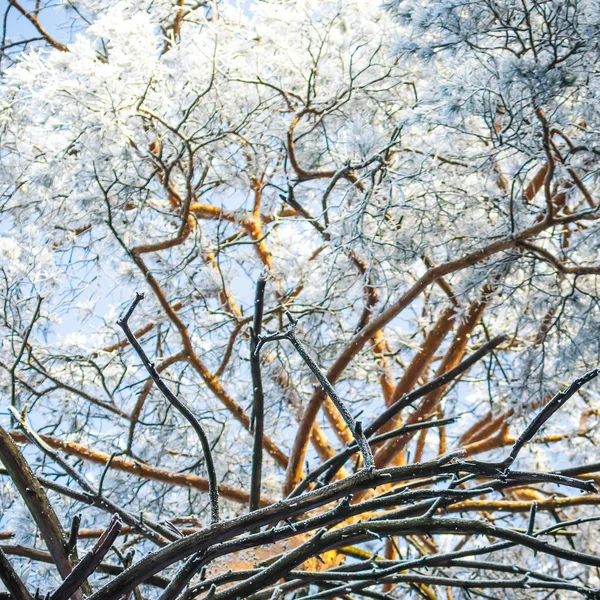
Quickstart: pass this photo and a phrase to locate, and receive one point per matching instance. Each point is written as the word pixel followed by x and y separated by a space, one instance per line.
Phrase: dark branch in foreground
pixel 338 460
pixel 89 563
pixel 323 516
pixel 258 403
pixel 178 405
pixel 354 425
pixel 11 580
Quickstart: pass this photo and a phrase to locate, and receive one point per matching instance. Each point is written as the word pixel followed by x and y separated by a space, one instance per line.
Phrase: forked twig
pixel 90 562
pixel 355 426
pixel 336 462
pixel 542 416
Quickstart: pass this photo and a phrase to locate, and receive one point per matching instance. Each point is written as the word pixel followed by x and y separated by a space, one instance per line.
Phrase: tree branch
pixel 89 563
pixel 38 504
pixel 11 580
pixel 213 490
pixel 258 424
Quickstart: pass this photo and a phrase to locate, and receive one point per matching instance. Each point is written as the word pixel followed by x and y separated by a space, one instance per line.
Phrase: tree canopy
pixel 240 240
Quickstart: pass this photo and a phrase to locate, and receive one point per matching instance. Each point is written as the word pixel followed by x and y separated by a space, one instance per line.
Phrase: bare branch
pixel 213 490
pixel 258 416
pixel 32 17
pixel 11 580
pixel 89 563
pixel 37 502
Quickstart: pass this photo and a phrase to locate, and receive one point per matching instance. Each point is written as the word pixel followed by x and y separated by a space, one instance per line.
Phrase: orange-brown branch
pixel 211 382
pixel 454 355
pixel 137 468
pixel 356 344
pixel 32 18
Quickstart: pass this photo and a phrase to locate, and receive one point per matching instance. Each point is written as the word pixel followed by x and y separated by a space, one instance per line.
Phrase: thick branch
pixel 37 502
pixel 89 563
pixel 12 582
pixel 355 345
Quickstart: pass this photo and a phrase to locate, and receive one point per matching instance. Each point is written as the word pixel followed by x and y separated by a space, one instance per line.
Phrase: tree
pixel 367 240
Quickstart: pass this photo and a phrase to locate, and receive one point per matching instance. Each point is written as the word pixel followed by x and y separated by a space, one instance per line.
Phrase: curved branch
pixel 139 469
pixel 213 490
pixel 32 18
pixel 356 344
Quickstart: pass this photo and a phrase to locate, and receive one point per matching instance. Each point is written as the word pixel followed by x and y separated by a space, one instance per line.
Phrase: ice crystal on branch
pixel 388 188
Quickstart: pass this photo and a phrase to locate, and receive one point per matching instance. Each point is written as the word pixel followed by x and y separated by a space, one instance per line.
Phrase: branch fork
pixel 354 425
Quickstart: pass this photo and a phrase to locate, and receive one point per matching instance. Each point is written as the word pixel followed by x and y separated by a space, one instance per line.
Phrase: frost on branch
pixel 414 183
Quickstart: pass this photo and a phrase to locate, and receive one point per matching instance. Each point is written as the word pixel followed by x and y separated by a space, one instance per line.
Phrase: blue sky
pixel 19 27
pixel 52 19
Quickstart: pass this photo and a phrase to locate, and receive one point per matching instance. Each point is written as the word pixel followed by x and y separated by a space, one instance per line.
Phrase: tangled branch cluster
pixel 321 519
pixel 368 239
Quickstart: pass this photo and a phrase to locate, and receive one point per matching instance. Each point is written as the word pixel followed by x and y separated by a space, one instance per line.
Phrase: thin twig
pixel 354 426
pixel 434 384
pixel 213 491
pixel 342 456
pixel 542 416
pixel 555 404
pixel 413 396
pixel 154 531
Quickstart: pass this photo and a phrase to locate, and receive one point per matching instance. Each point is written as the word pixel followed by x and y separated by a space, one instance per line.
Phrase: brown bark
pixel 356 344
pixel 454 355
pixel 137 468
pixel 37 502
